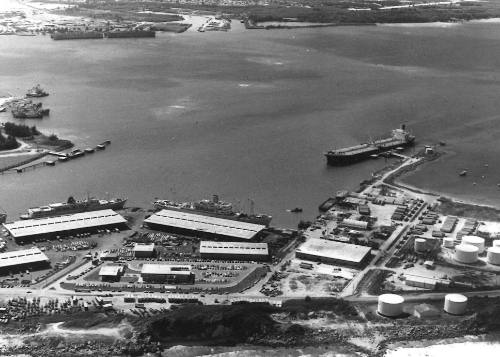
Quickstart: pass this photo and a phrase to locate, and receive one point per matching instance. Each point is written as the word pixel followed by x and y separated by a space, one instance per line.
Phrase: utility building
pixel 234 251
pixel 26 231
pixel 167 274
pixel 111 273
pixel 144 250
pixel 203 226
pixel 21 260
pixel 332 252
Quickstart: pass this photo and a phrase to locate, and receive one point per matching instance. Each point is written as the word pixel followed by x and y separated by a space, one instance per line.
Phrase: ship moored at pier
pixel 400 138
pixel 214 208
pixel 73 206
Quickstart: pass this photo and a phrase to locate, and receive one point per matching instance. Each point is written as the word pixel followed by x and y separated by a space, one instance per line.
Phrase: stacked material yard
pixel 449 224
pixel 399 213
pixel 429 218
pixel 468 228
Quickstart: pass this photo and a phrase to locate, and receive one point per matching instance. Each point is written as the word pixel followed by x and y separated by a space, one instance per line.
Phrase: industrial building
pixel 332 252
pixel 234 251
pixel 26 231
pixel 111 273
pixel 21 260
pixel 144 250
pixel 167 274
pixel 203 226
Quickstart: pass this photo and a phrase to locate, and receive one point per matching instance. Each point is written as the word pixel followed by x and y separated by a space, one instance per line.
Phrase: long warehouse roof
pixel 82 220
pixel 210 247
pixel 166 269
pixel 334 250
pixel 26 256
pixel 196 222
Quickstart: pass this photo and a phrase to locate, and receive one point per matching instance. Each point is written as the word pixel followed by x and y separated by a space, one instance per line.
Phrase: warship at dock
pixel 213 208
pixel 128 34
pixel 26 109
pixel 76 35
pixel 400 138
pixel 73 206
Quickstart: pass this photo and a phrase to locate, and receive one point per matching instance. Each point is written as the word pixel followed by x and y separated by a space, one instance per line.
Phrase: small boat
pixel 2 109
pixel 89 150
pixel 50 163
pixel 296 210
pixel 463 173
pixel 100 147
pixel 63 158
pixel 374 156
pixel 107 142
pixel 75 153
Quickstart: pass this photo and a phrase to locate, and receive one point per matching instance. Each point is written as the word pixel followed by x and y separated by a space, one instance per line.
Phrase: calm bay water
pixel 249 114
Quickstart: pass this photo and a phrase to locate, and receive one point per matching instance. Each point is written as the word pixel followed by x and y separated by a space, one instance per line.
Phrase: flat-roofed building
pixel 332 252
pixel 234 251
pixel 203 226
pixel 29 230
pixel 167 274
pixel 111 272
pixel 144 250
pixel 20 260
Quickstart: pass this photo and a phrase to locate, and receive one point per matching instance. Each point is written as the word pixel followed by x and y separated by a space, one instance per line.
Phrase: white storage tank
pixel 455 304
pixel 420 245
pixel 494 255
pixel 496 243
pixel 390 305
pixel 466 253
pixel 448 242
pixel 475 241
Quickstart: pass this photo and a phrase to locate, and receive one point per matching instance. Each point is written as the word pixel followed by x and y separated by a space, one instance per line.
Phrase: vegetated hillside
pixel 232 324
pixel 212 324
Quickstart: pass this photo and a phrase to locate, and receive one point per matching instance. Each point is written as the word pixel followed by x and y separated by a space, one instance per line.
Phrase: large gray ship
pixel 400 138
pixel 213 208
pixel 73 206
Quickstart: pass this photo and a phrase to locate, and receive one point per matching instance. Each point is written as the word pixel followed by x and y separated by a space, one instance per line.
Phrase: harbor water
pixel 249 114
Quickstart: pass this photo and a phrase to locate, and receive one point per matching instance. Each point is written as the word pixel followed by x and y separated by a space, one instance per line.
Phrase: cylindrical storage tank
pixel 466 253
pixel 420 245
pixel 494 255
pixel 390 305
pixel 448 242
pixel 455 304
pixel 496 243
pixel 475 241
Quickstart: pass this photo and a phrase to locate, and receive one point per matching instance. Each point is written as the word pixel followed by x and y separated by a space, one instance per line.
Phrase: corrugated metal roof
pixel 141 247
pixel 210 247
pixel 334 250
pixel 110 270
pixel 161 269
pixel 33 255
pixel 82 220
pixel 214 225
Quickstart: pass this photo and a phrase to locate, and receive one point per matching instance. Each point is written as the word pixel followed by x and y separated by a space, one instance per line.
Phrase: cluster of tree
pixel 20 130
pixel 8 143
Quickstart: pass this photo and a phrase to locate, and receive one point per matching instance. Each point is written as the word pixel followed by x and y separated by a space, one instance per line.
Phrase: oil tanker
pixel 213 208
pixel 400 138
pixel 77 35
pixel 73 206
pixel 133 33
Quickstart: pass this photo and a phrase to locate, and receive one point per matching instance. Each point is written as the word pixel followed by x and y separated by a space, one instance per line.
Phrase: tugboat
pixel 36 92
